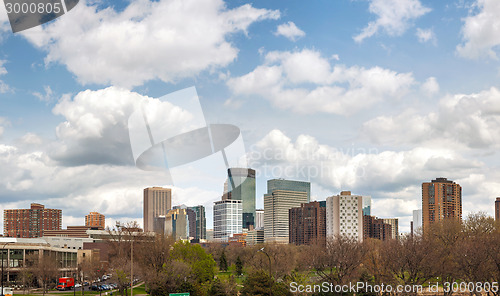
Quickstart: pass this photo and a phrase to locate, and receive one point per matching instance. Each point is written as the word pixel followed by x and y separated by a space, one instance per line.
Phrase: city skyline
pixel 346 95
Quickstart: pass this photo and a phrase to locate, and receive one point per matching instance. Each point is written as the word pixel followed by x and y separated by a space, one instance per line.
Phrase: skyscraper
pixel 344 216
pixel 281 196
pixel 157 202
pixel 441 199
pixel 177 224
pixel 497 209
pixel 94 219
pixel 417 220
pixel 367 205
pixel 198 227
pixel 241 186
pixel 227 219
pixel 307 224
pixel 32 222
pixel 259 219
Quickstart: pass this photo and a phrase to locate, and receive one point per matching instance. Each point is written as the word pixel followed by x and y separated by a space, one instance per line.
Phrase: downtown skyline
pixel 375 97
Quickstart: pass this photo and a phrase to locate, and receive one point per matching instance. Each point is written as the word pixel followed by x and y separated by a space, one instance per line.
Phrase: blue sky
pixel 377 96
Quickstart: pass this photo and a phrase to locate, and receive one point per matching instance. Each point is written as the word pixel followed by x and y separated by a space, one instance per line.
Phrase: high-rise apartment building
pixel 281 196
pixel 344 216
pixel 31 222
pixel 240 185
pixel 157 202
pixel 198 227
pixel 227 219
pixel 307 224
pixel 394 222
pixel 374 227
pixel 441 199
pixel 497 209
pixel 94 219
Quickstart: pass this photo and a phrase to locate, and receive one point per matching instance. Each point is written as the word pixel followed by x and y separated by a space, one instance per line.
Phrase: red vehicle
pixel 65 283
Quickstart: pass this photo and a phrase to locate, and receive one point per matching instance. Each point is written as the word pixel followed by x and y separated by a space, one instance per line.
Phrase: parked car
pixel 95 288
pixel 78 285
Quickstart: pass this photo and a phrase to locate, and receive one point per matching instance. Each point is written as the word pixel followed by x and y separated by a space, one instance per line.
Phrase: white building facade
pixel 228 220
pixel 344 216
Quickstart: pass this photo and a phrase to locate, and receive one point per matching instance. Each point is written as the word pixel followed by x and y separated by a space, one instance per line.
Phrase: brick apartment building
pixel 32 222
pixel 307 224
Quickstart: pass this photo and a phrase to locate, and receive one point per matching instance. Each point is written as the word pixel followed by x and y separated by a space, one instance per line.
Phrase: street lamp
pixel 270 270
pixel 3 247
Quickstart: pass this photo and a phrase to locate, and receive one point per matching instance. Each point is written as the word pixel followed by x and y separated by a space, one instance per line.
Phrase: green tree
pixel 260 283
pixel 223 261
pixel 239 266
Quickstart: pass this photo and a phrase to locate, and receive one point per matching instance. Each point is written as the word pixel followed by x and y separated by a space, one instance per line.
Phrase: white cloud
pixel 393 16
pixel 305 82
pixel 166 40
pixel 3 86
pixel 426 35
pixel 481 31
pixel 4 23
pixel 430 86
pixel 95 129
pixel 290 31
pixel 3 123
pixel 47 96
pixel 365 169
pixel 461 121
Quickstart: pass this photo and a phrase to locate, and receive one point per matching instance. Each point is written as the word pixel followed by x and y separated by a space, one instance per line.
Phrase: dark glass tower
pixel 241 186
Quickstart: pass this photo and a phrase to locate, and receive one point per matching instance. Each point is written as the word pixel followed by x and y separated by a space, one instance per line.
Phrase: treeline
pixel 450 251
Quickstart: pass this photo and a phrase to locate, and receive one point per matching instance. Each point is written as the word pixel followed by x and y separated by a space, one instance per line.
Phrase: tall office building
pixel 307 224
pixel 259 219
pixel 227 219
pixel 240 185
pixel 344 216
pixel 281 196
pixel 198 227
pixel 417 220
pixel 497 209
pixel 94 219
pixel 374 227
pixel 441 199
pixel 157 202
pixel 367 205
pixel 32 222
pixel 177 224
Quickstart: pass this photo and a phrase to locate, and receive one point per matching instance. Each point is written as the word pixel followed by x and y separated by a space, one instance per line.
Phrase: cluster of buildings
pixel 289 216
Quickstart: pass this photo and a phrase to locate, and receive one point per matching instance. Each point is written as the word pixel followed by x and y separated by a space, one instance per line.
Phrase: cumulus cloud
pixel 290 31
pixel 463 120
pixel 426 35
pixel 3 86
pixel 3 123
pixel 166 40
pixel 365 169
pixel 393 16
pixel 481 31
pixel 305 82
pixel 430 86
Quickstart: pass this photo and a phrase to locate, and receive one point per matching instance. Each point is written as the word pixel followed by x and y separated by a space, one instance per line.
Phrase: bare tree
pixel 340 261
pixel 45 269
